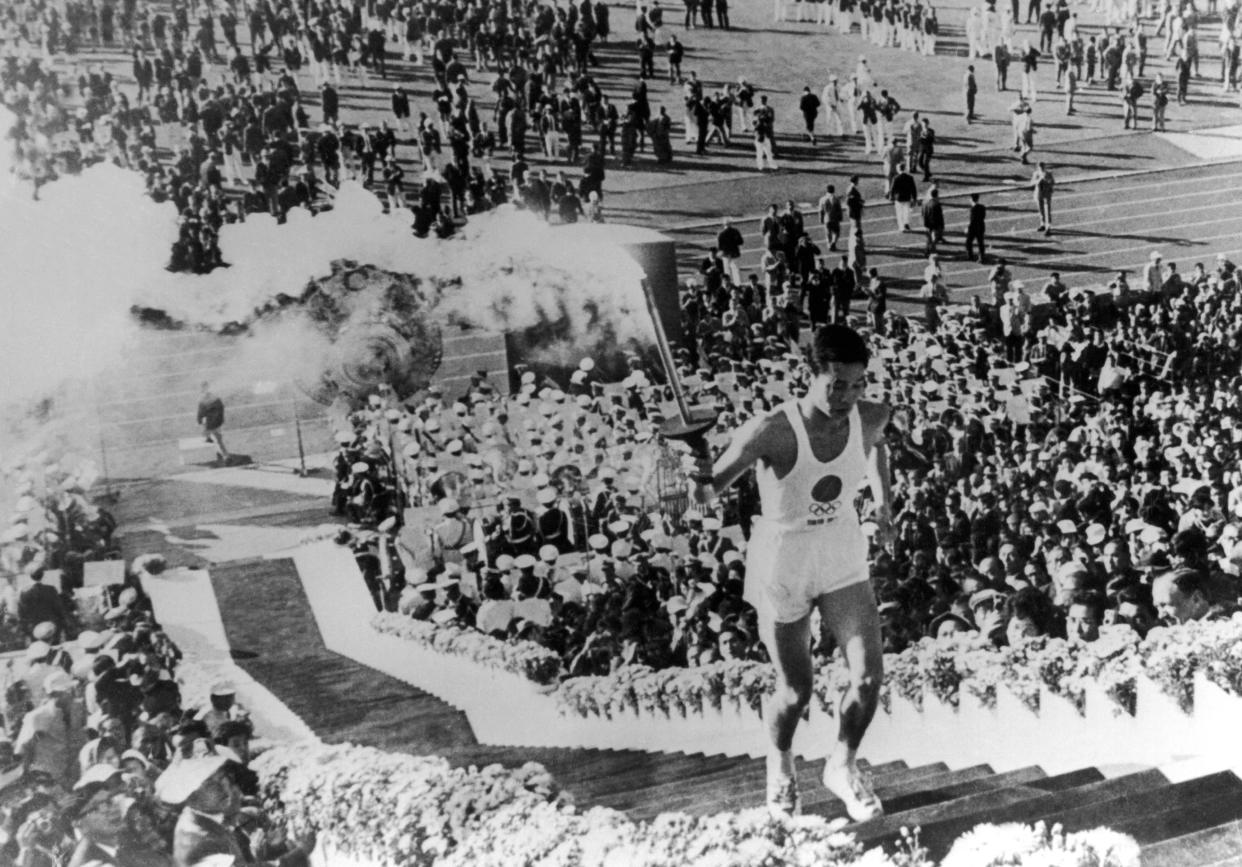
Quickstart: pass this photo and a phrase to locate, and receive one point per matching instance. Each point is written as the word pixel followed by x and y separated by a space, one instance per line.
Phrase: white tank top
pixel 815 493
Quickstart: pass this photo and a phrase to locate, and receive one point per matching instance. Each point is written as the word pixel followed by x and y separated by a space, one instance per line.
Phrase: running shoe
pixel 783 800
pixel 854 789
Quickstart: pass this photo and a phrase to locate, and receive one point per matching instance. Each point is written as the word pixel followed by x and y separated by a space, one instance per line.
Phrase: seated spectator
pixel 1182 595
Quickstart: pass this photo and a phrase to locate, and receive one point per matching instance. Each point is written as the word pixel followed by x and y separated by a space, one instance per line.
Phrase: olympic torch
pixel 692 423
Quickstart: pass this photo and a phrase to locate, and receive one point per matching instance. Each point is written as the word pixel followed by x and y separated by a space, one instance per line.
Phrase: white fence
pixel 506 709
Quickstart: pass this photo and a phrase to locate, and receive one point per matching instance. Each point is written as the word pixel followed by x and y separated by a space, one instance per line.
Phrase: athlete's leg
pixel 789 645
pixel 850 615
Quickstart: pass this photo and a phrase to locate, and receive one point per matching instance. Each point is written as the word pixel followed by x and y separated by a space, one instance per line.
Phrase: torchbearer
pixel 808 551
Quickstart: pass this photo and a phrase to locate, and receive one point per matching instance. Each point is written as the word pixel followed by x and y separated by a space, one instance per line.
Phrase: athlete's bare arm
pixel 874 417
pixel 757 440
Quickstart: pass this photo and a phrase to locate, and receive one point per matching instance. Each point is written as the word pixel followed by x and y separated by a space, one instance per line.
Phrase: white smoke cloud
pixel 69 263
pixel 75 263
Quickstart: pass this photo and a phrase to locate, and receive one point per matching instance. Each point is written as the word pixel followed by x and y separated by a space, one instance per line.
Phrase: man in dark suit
pixel 971 87
pixel 330 101
pixel 39 603
pixel 210 413
pixel 975 229
pixel 933 221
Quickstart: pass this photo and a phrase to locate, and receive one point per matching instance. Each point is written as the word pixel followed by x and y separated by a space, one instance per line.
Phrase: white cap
pixel 58 681
pixel 448 506
pixel 38 650
pixel 184 777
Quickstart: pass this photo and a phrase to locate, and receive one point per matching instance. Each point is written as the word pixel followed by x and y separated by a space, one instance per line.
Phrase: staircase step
pixel 663 770
pixel 968 810
pixel 747 790
pixel 1151 804
pixel 1206 846
pixel 750 776
pixel 1068 780
pixel 819 800
pixel 938 834
pixel 599 764
pixel 940 791
pixel 1196 810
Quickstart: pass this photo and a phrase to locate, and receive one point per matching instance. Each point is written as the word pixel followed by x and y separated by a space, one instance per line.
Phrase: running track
pixel 1100 226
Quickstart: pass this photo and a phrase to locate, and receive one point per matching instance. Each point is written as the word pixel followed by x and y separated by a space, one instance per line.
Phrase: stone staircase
pixel 1195 822
pixel 1191 820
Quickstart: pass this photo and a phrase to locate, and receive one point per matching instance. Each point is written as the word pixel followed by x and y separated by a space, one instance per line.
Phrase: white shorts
pixel 788 569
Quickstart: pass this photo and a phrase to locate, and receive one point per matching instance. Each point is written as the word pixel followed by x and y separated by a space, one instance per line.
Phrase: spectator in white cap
pixel 211 801
pixel 35 667
pixel 54 731
pixel 47 632
pixel 452 533
pixel 224 706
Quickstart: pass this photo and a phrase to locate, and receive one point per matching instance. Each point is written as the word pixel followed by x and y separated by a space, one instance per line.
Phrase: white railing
pixel 506 709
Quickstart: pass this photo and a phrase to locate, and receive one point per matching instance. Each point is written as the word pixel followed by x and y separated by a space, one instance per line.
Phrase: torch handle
pixel 700 451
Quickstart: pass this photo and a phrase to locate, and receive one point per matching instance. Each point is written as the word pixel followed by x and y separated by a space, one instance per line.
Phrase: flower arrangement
pixel 525 658
pixel 1016 845
pixel 1169 656
pixel 396 809
pixel 1222 664
pixel 832 679
pixel 938 661
pixel 1113 664
pixel 639 689
pixel 1020 672
pixel 1054 663
pixel 903 672
pixel 982 671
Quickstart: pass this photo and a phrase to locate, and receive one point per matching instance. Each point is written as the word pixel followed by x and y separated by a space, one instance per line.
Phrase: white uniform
pixel 832 101
pixel 808 541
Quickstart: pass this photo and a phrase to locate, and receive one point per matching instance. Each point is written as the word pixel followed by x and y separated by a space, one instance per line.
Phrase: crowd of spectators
pixel 1080 473
pixel 1020 413
pixel 103 762
pixel 54 531
pixel 211 110
pixel 523 526
pixel 234 109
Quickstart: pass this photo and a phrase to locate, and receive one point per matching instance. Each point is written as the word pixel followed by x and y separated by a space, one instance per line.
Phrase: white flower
pixel 1108 848
pixel 994 846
